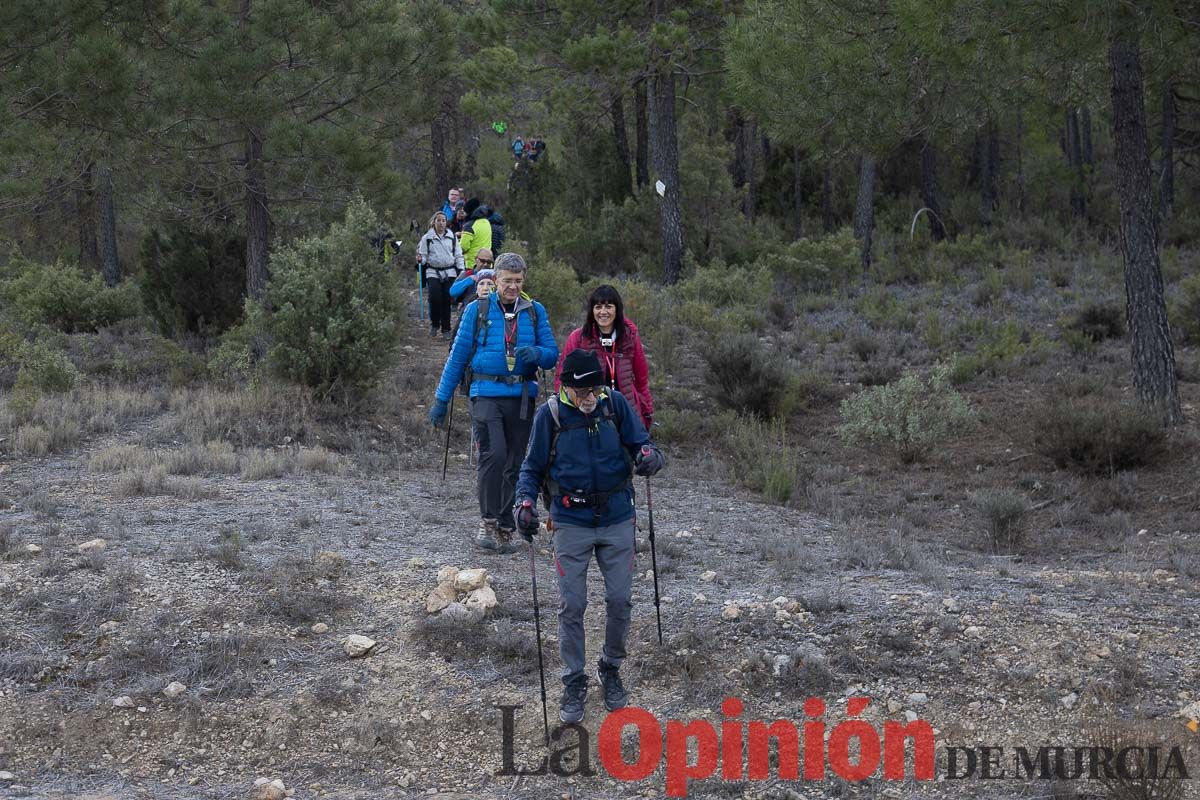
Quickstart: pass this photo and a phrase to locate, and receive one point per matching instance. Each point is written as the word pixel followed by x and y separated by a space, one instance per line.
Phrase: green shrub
pixel 333 309
pixel 813 265
pixel 910 416
pixel 1003 513
pixel 61 296
pixel 1098 321
pixel 192 280
pixel 556 286
pixel 47 368
pixel 749 378
pixel 1097 436
pixel 762 459
pixel 722 285
pixel 988 290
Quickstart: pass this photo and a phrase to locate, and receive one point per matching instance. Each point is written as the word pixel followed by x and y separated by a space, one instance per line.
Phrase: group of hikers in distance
pixel 578 452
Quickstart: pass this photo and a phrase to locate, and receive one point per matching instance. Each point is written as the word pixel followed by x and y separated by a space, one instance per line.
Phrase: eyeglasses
pixel 483 261
pixel 587 391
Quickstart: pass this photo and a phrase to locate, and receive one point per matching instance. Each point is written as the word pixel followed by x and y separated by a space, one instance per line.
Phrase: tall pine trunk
pixel 1085 134
pixel 989 166
pixel 1075 161
pixel 621 139
pixel 641 133
pixel 864 208
pixel 665 153
pixel 749 168
pixel 441 167
pixel 1153 354
pixel 798 192
pixel 827 219
pixel 258 218
pixel 85 212
pixel 930 196
pixel 1166 177
pixel 109 256
pixel 1020 151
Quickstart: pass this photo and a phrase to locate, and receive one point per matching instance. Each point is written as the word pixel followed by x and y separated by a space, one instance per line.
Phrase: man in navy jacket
pixel 587 444
pixel 503 351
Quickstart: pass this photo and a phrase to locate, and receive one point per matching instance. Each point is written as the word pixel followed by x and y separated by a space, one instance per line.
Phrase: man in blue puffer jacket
pixel 587 444
pixel 503 353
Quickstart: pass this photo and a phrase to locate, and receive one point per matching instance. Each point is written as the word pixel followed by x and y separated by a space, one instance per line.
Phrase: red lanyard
pixel 510 329
pixel 610 360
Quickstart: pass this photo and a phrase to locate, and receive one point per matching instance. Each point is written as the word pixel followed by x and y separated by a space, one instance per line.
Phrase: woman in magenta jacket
pixel 615 341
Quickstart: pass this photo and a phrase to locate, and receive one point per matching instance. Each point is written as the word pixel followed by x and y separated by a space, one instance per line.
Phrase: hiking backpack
pixel 497 222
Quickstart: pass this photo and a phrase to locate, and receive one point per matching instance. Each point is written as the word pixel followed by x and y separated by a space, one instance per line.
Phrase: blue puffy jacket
pixel 489 349
pixel 461 286
pixel 589 459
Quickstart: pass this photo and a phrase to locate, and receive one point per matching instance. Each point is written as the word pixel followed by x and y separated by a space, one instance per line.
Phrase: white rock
pixel 7 776
pixel 447 573
pixel 731 612
pixel 357 645
pixel 33 549
pixel 124 701
pixel 780 602
pixel 910 716
pixel 174 689
pixel 699 598
pixel 416 562
pixel 481 599
pixel 468 580
pixel 918 699
pixel 973 630
pixel 441 597
pixel 893 707
pixel 1191 711
pixel 782 616
pixel 460 613
pixel 319 628
pixel 1069 701
pixel 708 576
pixel 261 781
pixel 780 664
pixel 950 605
pixel 106 628
pixel 92 544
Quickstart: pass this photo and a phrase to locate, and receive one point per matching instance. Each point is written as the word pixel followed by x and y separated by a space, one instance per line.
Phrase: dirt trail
pixel 991 651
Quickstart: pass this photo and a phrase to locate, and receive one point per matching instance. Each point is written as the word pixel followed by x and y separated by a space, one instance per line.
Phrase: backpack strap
pixel 551 488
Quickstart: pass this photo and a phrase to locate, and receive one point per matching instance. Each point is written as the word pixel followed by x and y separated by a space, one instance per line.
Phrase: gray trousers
pixel 573 549
pixel 503 438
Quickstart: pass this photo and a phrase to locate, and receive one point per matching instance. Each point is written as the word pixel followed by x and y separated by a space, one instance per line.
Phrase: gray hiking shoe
pixel 446 335
pixel 504 538
pixel 486 538
pixel 609 676
pixel 573 700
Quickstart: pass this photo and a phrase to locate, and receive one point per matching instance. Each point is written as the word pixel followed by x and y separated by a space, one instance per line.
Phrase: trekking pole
pixel 420 296
pixel 449 422
pixel 537 624
pixel 653 554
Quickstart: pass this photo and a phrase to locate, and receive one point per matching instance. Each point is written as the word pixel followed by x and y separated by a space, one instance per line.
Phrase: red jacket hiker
pixel 624 366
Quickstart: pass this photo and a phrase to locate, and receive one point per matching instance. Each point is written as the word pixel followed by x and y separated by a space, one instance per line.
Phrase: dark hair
pixel 602 295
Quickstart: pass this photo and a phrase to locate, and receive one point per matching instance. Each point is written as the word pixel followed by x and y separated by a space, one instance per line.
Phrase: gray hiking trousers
pixel 503 438
pixel 573 550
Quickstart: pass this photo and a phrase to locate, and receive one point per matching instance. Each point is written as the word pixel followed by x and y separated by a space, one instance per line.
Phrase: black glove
pixel 649 461
pixel 527 519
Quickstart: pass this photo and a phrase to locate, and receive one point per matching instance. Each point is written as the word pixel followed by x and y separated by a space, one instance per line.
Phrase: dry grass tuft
pixel 121 457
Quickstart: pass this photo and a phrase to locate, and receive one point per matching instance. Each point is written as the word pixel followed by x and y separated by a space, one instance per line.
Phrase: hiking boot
pixel 504 538
pixel 433 332
pixel 573 700
pixel 609 676
pixel 486 538
pixel 446 335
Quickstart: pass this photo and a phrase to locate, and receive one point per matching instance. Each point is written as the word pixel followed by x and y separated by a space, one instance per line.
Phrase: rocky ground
pixel 204 646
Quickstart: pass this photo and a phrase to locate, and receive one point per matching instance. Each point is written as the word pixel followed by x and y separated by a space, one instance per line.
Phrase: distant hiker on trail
pixel 477 231
pixel 615 341
pixel 484 284
pixel 441 258
pixel 502 341
pixel 453 198
pixel 461 290
pixel 587 444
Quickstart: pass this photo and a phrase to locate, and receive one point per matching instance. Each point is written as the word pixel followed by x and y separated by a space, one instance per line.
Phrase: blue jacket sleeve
pixel 462 285
pixel 460 352
pixel 545 340
pixel 533 469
